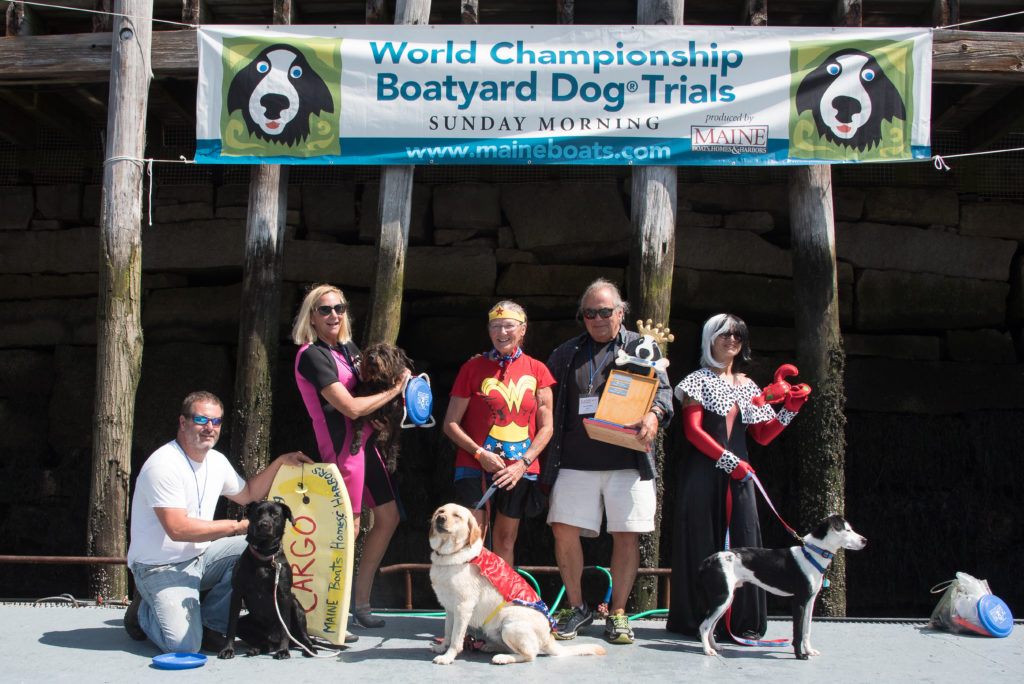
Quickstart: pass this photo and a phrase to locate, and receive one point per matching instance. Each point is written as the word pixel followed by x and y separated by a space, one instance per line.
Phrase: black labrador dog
pixel 261 577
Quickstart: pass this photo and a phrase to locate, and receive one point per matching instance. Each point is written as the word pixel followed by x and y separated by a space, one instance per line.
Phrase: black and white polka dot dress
pixel 699 524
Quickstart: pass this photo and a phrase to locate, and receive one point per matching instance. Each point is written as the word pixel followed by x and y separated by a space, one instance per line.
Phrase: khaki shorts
pixel 582 497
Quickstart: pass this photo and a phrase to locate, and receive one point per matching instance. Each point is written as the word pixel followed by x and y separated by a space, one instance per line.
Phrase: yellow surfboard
pixel 321 545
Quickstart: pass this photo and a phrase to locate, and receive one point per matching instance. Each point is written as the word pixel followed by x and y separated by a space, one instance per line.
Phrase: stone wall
pixel 931 306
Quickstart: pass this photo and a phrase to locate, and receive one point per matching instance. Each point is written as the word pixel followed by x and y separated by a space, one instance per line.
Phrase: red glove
pixel 725 459
pixel 796 397
pixel 742 472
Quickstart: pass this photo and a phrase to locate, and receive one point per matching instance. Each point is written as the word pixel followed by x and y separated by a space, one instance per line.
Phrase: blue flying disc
pixel 179 661
pixel 995 615
pixel 418 400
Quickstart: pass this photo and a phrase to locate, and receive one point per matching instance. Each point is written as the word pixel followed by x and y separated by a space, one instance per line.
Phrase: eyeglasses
pixel 504 327
pixel 325 310
pixel 605 312
pixel 734 335
pixel 203 420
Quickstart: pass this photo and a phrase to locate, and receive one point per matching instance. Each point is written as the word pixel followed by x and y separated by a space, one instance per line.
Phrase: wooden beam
pixel 565 11
pixel 260 312
pixel 977 57
pixel 945 12
pixel 957 57
pixel 471 12
pixel 755 13
pixel 394 211
pixel 22 20
pixel 118 316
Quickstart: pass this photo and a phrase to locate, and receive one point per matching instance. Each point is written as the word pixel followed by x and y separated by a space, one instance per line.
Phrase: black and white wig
pixel 716 326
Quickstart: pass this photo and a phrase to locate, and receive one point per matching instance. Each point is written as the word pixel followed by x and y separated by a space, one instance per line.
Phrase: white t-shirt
pixel 170 479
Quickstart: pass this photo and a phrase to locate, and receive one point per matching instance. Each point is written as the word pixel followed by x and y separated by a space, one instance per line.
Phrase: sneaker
pixel 617 629
pixel 131 619
pixel 364 618
pixel 571 620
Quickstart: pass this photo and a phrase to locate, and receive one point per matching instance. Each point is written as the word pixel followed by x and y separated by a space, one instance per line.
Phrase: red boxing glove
pixel 796 397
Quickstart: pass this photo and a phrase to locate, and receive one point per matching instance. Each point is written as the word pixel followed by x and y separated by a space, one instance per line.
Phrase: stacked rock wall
pixel 931 307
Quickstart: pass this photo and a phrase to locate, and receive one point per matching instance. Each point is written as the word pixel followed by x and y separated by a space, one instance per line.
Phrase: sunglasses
pixel 325 310
pixel 734 335
pixel 591 314
pixel 203 420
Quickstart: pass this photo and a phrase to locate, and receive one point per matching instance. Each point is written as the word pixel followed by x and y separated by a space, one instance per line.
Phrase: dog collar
pixel 810 559
pixel 253 551
pixel 822 552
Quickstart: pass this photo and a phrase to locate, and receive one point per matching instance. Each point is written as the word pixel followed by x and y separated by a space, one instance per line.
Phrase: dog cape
pixel 509 583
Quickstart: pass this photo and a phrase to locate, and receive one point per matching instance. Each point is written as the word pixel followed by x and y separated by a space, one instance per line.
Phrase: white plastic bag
pixel 968 606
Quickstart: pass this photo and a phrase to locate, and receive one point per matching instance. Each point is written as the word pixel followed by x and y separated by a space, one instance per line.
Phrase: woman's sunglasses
pixel 591 314
pixel 325 310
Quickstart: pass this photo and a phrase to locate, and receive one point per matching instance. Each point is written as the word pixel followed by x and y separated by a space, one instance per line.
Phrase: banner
pixel 662 95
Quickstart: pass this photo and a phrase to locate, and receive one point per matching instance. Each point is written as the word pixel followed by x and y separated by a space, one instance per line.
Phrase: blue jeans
pixel 171 614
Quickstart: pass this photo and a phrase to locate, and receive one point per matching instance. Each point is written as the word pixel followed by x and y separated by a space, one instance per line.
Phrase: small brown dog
pixel 381 368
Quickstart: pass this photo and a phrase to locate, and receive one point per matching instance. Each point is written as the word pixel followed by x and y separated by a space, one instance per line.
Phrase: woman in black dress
pixel 714 490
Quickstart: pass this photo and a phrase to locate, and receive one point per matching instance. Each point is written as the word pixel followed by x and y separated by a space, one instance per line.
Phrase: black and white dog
pixel 276 93
pixel 796 571
pixel 849 96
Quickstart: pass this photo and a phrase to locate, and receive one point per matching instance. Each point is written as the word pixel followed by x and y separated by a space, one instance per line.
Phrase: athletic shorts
pixel 510 503
pixel 581 498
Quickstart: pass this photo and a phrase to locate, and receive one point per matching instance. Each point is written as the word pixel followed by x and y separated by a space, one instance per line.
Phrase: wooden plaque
pixel 625 400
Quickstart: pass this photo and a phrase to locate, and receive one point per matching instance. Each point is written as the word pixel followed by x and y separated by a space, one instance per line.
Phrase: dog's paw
pixel 811 652
pixel 504 659
pixel 282 654
pixel 252 651
pixel 445 659
pixel 801 656
pixel 227 653
pixel 710 651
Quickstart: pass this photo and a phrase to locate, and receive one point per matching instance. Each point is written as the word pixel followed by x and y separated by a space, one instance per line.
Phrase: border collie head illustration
pixel 849 96
pixel 276 93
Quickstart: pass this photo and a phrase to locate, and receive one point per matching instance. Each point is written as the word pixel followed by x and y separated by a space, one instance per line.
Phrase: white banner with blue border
pixel 523 95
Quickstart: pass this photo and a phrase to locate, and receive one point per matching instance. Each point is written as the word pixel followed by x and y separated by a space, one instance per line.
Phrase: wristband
pixel 476 454
pixel 786 416
pixel 727 461
pixel 527 462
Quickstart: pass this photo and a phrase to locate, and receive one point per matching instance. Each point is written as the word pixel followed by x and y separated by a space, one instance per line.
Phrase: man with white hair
pixel 591 479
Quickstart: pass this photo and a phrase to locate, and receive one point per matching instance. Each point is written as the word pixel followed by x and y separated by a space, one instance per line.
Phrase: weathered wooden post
pixel 119 329
pixel 394 209
pixel 651 259
pixel 260 308
pixel 821 428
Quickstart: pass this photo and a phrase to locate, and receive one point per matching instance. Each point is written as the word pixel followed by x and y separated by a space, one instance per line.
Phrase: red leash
pixel 728 521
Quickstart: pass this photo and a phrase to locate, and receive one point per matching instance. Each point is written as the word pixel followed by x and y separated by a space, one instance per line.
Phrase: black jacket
pixel 560 363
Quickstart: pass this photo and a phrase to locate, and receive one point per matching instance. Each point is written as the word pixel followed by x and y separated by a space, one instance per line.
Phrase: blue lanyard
pixel 594 369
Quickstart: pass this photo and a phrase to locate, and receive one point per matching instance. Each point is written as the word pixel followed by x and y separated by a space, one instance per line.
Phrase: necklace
pixel 206 477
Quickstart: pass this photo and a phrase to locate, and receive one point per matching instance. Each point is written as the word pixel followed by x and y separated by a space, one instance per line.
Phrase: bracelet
pixel 727 461
pixel 476 454
pixel 527 462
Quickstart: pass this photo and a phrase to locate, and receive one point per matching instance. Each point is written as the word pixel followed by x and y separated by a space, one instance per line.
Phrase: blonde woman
pixel 326 372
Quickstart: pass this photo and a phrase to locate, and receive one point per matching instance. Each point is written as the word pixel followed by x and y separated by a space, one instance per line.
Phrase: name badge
pixel 588 405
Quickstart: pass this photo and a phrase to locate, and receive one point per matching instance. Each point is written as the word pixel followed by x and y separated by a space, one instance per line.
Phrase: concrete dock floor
pixel 62 643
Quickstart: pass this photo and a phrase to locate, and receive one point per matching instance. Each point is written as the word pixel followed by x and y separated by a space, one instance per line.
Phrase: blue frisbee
pixel 418 401
pixel 179 661
pixel 995 615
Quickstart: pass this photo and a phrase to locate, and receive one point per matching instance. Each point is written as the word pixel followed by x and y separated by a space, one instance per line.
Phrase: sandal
pixel 364 618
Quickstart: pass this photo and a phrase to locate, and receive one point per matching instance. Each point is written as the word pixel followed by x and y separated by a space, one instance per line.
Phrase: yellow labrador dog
pixel 471 600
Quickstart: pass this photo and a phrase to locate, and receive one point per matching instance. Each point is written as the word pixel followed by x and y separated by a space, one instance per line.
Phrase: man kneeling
pixel 177 550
